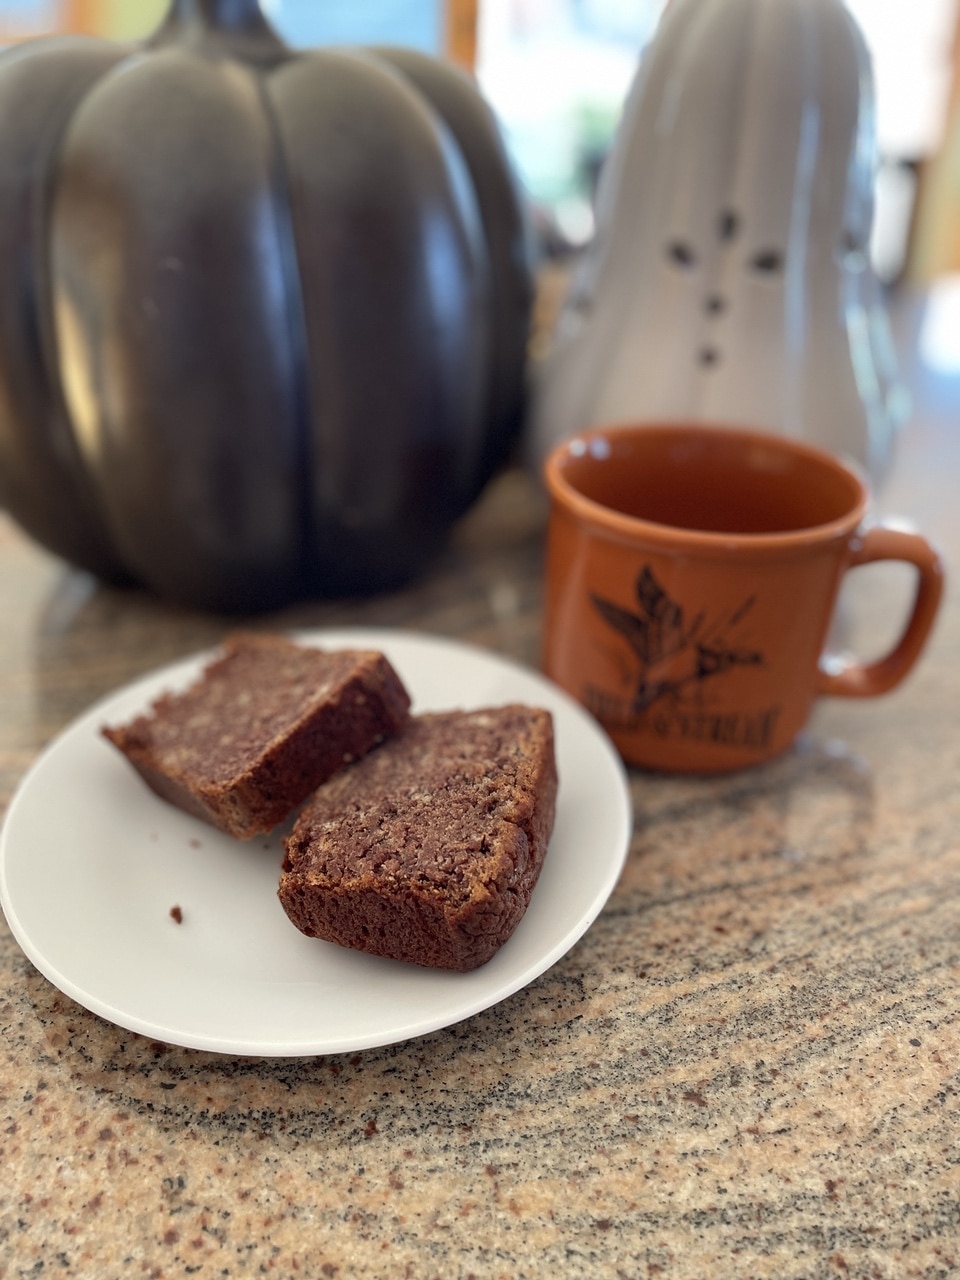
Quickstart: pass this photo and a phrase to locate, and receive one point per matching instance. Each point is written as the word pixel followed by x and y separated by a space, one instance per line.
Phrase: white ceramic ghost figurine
pixel 729 277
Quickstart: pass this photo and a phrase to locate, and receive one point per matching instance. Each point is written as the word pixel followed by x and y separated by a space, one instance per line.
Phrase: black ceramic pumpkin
pixel 263 312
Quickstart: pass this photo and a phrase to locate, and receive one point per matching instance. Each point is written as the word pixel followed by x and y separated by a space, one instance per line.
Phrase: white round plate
pixel 92 863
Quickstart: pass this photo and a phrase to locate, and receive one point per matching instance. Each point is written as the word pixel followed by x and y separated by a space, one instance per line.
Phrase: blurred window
pixel 556 72
pixel 22 18
pixel 912 70
pixel 417 23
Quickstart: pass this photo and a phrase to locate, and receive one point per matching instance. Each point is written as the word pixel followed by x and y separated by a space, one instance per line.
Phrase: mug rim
pixel 610 520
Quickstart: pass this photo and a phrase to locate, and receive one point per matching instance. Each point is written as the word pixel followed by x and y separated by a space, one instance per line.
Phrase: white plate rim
pixel 578 737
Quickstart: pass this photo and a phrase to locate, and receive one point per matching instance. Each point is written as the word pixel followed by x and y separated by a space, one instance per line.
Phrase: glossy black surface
pixel 263 312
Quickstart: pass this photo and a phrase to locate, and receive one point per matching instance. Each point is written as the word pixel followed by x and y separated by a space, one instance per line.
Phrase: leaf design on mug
pixel 657 632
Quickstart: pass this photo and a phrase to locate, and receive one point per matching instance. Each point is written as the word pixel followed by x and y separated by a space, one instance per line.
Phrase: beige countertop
pixel 748 1067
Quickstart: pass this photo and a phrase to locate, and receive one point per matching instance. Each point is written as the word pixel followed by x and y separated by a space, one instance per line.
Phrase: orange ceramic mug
pixel 692 573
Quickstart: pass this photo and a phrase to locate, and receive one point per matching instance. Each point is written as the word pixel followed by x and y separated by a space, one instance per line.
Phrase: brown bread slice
pixel 429 848
pixel 267 721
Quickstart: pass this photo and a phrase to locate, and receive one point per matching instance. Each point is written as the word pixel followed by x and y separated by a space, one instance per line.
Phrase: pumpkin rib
pixel 297 324
pixel 395 365
pixel 179 372
pixel 43 483
pixel 508 233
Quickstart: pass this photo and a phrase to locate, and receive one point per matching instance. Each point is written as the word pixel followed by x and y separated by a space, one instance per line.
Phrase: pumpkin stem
pixel 236 27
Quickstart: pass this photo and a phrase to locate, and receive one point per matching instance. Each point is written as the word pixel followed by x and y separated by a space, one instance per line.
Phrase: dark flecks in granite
pixel 745 1056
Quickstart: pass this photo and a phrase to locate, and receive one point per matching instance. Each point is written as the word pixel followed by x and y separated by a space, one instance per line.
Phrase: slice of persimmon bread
pixel 264 724
pixel 429 848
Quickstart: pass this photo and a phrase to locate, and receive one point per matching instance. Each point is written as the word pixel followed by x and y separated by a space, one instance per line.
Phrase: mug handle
pixel 862 680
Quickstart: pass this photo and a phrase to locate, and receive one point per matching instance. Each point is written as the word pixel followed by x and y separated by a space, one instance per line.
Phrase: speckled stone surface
pixel 748 1067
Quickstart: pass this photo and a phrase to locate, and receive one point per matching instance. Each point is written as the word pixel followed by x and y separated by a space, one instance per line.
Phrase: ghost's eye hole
pixel 767 262
pixel 680 253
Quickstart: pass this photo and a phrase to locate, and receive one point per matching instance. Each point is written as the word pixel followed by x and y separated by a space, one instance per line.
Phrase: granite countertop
pixel 746 1068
